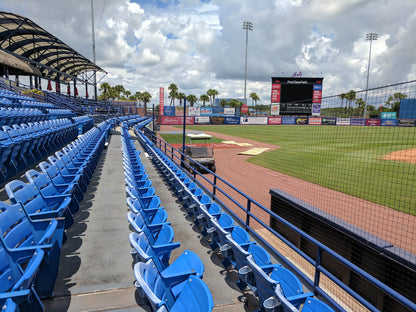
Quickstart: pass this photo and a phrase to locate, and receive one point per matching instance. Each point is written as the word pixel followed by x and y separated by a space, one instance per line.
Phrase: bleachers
pixel 33 223
pixel 21 146
pixel 167 285
pixel 276 287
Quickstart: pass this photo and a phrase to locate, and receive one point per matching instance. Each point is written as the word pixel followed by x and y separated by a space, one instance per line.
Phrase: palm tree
pixel 105 88
pixel 146 96
pixel 191 99
pixel 204 98
pixel 350 97
pixel 342 96
pixel 119 90
pixel 180 96
pixel 223 102
pixel 173 90
pixel 361 105
pixel 212 93
pixel 255 98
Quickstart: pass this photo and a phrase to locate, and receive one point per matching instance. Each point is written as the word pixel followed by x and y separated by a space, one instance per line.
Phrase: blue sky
pixel 198 45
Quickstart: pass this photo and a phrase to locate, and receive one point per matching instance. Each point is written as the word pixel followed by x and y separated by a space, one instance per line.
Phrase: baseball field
pixel 359 161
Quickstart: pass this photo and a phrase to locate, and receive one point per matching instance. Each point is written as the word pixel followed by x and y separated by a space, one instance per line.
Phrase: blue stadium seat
pixel 159 290
pixel 36 205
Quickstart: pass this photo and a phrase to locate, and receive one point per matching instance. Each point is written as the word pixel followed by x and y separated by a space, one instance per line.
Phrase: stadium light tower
pixel 246 26
pixel 370 37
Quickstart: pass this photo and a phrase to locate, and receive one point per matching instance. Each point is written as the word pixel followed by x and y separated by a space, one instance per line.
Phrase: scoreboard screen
pixel 296 94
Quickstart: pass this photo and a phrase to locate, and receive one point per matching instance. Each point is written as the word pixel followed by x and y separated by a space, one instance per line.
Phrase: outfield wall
pixel 285 120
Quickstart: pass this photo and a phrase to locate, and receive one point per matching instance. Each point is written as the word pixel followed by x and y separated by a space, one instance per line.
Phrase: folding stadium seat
pixel 49 190
pixel 17 155
pixel 60 181
pixel 31 141
pixel 150 218
pixel 177 291
pixel 20 233
pixel 7 152
pixel 15 283
pixel 37 206
pixel 73 173
pixel 315 305
pixel 143 202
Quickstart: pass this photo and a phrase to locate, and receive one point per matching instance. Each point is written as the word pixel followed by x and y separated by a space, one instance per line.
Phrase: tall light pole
pixel 94 76
pixel 246 26
pixel 370 37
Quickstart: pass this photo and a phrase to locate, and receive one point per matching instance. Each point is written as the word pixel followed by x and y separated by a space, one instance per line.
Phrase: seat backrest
pixel 240 235
pixel 225 220
pixel 194 297
pixel 165 235
pixel 42 182
pixel 15 227
pixel 260 255
pixel 205 199
pixel 27 194
pixel 290 284
pixel 265 285
pixel 240 254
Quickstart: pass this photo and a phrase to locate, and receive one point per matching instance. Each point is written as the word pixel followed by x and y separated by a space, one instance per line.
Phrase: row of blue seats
pixel 23 145
pixel 14 99
pixel 60 113
pixel 168 287
pixel 11 116
pixel 276 287
pixel 33 223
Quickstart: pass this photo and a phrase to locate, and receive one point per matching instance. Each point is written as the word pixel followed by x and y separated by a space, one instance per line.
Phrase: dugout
pixel 391 265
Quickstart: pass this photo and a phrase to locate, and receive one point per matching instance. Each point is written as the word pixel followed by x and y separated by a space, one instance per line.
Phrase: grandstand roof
pixel 27 41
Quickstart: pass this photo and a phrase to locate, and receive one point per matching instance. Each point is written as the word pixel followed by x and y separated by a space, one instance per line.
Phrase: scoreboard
pixel 297 95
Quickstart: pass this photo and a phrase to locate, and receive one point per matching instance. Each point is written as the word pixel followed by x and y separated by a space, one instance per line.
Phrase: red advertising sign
pixel 372 122
pixel 161 100
pixel 315 120
pixel 275 120
pixel 176 120
pixel 244 109
pixel 276 88
pixel 317 96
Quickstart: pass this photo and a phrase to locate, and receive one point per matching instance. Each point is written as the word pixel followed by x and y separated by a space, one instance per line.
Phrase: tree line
pixel 119 93
pixel 209 96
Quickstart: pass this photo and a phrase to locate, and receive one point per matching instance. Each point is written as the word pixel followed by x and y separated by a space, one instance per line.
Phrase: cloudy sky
pixel 200 44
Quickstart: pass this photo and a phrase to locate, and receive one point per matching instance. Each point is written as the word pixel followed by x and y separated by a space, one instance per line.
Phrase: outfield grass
pixel 346 159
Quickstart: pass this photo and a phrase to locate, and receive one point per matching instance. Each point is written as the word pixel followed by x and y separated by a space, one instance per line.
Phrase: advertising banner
pixel 388 115
pixel 275 109
pixel 301 120
pixel 202 120
pixel 316 109
pixel 329 121
pixel 275 120
pixel 276 88
pixel 217 111
pixel 229 111
pixel 315 120
pixel 253 120
pixel 179 111
pixel 169 110
pixel 161 100
pixel 288 120
pixel 343 121
pixel 389 122
pixel 357 122
pixel 232 120
pixel 175 120
pixel 372 122
pixel 317 93
pixel 205 111
pixel 193 111
pixel 407 122
pixel 216 120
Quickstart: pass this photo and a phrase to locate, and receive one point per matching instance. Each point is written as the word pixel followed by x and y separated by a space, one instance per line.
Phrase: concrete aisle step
pixel 96 272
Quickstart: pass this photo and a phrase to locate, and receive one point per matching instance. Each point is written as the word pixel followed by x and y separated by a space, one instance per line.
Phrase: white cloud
pixel 200 45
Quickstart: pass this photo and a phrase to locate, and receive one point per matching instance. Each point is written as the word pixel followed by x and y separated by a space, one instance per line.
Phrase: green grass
pixel 346 159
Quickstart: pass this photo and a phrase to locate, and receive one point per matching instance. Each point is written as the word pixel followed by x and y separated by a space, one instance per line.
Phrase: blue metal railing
pixel 213 188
